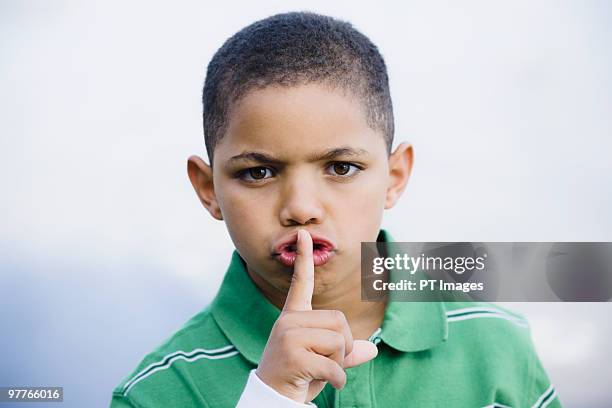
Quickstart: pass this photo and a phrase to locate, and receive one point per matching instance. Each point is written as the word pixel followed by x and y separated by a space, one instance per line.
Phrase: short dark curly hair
pixel 291 49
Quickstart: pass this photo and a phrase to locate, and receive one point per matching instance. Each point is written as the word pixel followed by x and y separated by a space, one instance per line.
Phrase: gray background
pixel 105 249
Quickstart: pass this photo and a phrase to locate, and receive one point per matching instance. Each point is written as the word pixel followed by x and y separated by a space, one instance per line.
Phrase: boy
pixel 298 126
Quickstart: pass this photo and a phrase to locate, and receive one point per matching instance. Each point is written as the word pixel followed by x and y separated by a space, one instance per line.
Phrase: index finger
pixel 299 297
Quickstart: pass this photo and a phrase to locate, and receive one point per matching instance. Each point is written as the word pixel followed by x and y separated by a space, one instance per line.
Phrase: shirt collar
pixel 412 326
pixel 246 317
pixel 242 312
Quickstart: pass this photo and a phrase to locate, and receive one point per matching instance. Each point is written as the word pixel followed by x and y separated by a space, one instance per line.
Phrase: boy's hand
pixel 306 347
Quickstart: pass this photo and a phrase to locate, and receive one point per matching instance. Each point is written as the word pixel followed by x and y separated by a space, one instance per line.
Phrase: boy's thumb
pixel 363 351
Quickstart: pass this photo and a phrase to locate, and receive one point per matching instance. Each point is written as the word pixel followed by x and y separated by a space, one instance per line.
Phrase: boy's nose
pixel 300 205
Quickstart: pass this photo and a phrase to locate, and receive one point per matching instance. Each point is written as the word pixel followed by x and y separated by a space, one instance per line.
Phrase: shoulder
pixel 490 335
pixel 169 367
pixel 498 342
pixel 490 328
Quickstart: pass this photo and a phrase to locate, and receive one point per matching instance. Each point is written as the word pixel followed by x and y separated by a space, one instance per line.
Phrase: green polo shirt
pixel 430 354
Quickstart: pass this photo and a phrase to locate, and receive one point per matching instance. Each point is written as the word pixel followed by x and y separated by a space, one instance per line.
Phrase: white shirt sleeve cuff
pixel 257 393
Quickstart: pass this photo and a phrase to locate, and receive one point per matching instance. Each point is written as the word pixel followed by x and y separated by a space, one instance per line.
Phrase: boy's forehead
pixel 305 119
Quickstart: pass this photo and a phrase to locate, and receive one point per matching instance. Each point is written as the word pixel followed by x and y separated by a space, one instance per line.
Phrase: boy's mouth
pixel 286 250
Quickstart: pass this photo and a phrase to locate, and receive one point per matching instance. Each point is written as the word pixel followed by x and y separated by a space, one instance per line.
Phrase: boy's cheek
pixel 251 230
pixel 366 204
pixel 363 219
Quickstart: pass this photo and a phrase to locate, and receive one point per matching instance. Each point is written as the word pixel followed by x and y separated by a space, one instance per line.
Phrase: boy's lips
pixel 285 249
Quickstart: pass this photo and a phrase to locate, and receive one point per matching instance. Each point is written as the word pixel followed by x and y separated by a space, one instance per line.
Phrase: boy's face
pixel 301 157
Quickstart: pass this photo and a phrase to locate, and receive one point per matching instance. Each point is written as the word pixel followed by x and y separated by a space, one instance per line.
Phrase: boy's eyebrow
pixel 326 155
pixel 338 152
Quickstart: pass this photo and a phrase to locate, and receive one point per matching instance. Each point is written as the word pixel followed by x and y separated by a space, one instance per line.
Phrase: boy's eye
pixel 256 173
pixel 343 169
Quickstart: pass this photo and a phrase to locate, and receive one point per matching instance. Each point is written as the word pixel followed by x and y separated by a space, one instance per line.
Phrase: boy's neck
pixel 363 317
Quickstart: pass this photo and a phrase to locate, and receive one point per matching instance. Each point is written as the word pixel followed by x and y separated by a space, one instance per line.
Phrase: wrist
pixel 286 389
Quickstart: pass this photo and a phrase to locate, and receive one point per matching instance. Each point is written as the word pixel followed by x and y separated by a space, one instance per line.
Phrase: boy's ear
pixel 201 177
pixel 400 166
